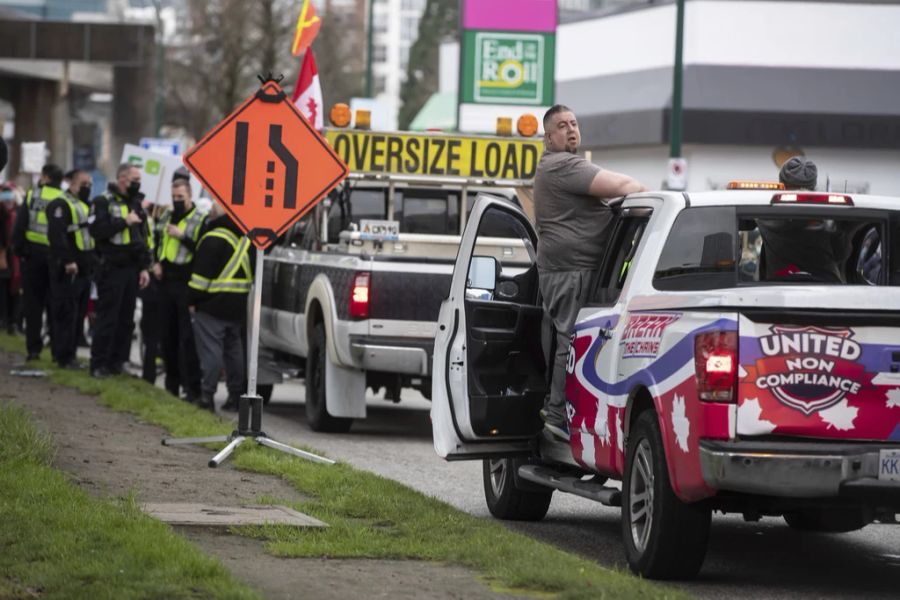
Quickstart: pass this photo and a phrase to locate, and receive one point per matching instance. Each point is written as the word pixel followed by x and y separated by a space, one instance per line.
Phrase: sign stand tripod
pixel 250 404
pixel 267 144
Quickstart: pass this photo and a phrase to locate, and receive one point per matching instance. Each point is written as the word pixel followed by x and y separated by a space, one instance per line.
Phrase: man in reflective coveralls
pixel 217 299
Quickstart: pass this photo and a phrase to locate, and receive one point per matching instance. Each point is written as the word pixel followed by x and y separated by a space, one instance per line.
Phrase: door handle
pixel 457 363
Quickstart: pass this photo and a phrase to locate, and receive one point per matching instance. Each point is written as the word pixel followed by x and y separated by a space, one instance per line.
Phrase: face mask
pixel 134 187
pixel 178 205
pixel 84 194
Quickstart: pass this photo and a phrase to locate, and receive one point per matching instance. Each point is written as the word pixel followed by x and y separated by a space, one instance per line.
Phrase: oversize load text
pixel 404 154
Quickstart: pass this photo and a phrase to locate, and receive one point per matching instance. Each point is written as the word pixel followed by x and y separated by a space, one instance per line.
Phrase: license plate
pixel 889 465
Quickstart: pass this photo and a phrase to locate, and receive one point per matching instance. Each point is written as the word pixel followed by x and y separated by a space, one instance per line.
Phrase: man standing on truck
pixel 573 227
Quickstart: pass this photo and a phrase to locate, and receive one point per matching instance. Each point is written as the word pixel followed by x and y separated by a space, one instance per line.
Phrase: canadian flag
pixel 308 92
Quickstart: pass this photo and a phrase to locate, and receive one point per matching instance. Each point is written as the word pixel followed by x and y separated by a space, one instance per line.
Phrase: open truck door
pixel 489 370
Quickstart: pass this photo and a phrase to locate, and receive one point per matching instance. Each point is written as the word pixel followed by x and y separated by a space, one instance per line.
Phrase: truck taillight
pixel 359 296
pixel 812 198
pixel 716 364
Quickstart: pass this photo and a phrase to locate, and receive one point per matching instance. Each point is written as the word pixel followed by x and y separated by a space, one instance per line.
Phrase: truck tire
pixel 504 499
pixel 664 537
pixel 826 520
pixel 316 412
pixel 265 391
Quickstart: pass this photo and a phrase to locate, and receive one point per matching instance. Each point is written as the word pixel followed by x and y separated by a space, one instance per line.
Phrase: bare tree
pixel 221 45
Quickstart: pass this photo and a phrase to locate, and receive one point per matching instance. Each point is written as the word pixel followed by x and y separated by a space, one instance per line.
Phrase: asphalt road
pixel 749 560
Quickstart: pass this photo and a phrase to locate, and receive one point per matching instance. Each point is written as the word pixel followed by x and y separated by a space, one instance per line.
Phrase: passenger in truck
pixel 809 250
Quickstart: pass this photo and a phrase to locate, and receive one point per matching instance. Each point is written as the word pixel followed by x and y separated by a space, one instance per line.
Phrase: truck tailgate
pixel 819 374
pixel 407 291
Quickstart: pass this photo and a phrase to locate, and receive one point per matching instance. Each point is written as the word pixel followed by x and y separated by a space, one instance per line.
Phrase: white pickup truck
pixel 740 353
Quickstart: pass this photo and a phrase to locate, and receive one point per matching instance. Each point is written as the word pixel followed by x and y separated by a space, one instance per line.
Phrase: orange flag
pixel 307 28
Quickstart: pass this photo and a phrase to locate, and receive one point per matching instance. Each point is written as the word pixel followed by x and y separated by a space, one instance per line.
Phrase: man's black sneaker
pixel 100 373
pixel 72 365
pixel 32 357
pixel 206 402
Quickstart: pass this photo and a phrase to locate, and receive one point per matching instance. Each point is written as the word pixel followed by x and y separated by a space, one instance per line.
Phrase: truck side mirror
pixel 482 274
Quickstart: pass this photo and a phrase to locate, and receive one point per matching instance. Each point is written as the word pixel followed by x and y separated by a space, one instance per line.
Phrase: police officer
pixel 119 228
pixel 217 299
pixel 179 232
pixel 71 262
pixel 30 242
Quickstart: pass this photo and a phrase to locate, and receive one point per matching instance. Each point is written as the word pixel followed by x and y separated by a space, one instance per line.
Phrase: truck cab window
pixel 700 251
pixel 504 242
pixel 428 211
pixel 619 255
pixel 810 248
pixel 357 204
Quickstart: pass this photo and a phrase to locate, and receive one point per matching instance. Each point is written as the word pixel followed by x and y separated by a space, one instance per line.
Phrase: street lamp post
pixel 369 28
pixel 677 175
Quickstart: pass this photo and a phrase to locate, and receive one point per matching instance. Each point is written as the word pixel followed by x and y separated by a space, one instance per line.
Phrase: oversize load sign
pixel 266 165
pixel 458 156
pixel 508 67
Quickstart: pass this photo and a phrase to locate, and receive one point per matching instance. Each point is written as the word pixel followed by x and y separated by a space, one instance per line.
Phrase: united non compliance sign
pixel 266 165
pixel 438 155
pixel 501 67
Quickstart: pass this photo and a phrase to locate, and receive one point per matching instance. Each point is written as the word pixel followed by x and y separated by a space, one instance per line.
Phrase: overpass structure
pixel 49 68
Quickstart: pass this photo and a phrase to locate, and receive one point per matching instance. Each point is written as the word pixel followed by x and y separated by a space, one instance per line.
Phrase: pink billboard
pixel 510 15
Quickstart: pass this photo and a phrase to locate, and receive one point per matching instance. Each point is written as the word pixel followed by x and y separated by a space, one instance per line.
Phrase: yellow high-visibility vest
pixel 37 213
pixel 228 280
pixel 79 226
pixel 116 208
pixel 171 248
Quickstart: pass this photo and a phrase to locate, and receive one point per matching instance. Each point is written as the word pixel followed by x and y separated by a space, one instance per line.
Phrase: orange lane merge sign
pixel 266 165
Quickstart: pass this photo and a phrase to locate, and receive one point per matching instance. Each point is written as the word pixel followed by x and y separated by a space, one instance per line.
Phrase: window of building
pixel 404 57
pixel 409 28
pixel 379 53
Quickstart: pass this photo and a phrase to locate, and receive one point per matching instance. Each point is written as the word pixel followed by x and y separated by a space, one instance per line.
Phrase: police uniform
pixel 123 252
pixel 220 282
pixel 176 257
pixel 70 242
pixel 32 245
pixel 150 314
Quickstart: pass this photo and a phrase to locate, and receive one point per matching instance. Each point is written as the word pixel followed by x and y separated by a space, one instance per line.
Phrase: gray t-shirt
pixel 572 226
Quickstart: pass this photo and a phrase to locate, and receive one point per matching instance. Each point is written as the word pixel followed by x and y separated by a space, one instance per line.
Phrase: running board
pixel 573 485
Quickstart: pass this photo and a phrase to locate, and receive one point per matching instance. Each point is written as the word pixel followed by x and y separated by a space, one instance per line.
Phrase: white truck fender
pixel 345 387
pixel 320 291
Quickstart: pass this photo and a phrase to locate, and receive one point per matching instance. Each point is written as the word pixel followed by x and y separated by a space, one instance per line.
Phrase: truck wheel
pixel 504 499
pixel 664 537
pixel 826 520
pixel 316 414
pixel 265 391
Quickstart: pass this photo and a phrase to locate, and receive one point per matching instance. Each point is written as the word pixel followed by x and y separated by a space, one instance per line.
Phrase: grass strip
pixel 370 516
pixel 58 542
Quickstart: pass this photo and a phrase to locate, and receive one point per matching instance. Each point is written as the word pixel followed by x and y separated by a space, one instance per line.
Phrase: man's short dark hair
pixel 182 183
pixel 556 108
pixel 181 174
pixel 70 174
pixel 124 168
pixel 53 173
